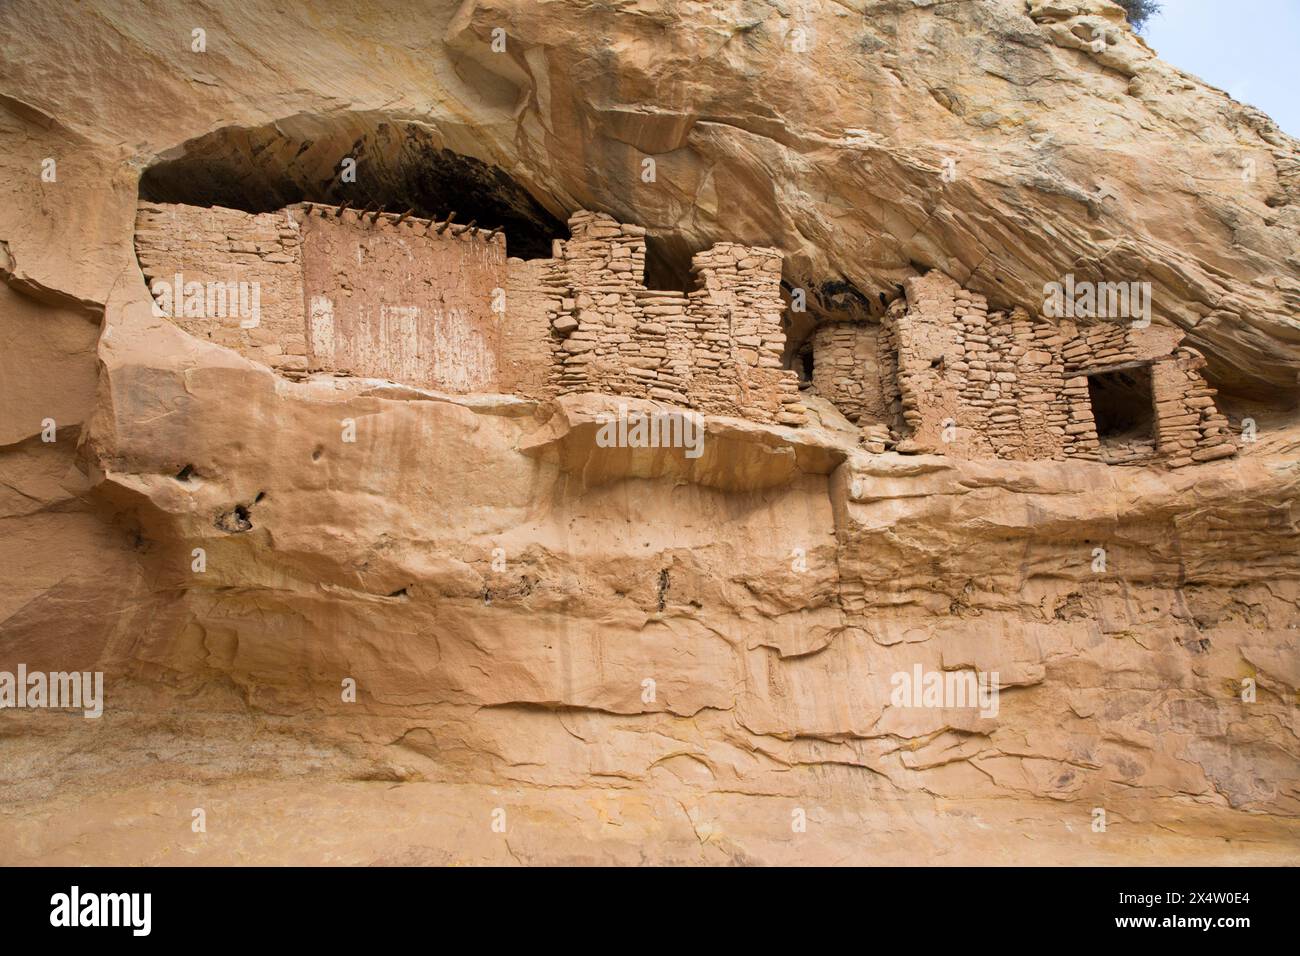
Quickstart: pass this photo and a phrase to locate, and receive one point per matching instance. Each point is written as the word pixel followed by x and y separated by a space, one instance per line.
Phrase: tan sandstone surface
pixel 503 588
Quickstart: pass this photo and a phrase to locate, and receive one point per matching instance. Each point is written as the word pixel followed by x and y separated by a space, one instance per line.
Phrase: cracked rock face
pixel 640 657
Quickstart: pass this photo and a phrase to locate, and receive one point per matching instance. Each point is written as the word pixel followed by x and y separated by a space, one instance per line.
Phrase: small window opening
pixel 1123 407
pixel 668 265
pixel 805 368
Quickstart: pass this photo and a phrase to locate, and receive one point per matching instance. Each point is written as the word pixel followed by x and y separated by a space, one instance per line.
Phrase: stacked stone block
pixel 716 349
pixel 1009 385
pixel 929 366
pixel 1189 428
pixel 887 359
pixel 1040 389
pixel 846 369
pixel 228 246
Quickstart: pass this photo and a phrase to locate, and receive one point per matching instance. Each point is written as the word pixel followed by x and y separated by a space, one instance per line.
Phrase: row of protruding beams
pixel 431 226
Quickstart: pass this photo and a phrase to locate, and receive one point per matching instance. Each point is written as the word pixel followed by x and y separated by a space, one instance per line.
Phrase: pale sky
pixel 1248 48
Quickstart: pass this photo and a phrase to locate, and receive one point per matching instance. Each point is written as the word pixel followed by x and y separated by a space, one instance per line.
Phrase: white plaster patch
pixel 322 329
pixel 401 332
pixel 462 359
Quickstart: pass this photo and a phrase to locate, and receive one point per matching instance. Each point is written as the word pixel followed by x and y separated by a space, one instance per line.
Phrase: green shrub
pixel 1139 11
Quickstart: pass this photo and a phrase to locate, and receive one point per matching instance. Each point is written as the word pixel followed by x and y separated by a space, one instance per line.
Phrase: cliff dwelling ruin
pixel 491 434
pixel 442 305
pixel 956 378
pixel 433 298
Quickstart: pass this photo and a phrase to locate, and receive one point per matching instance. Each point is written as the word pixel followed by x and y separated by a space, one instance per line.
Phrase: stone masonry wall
pixel 846 369
pixel 1009 385
pixel 394 297
pixel 385 296
pixel 1189 428
pixel 526 363
pixel 341 291
pixel 928 364
pixel 716 349
pixel 211 246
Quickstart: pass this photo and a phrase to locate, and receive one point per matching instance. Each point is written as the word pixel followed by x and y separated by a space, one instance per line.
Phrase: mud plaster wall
pixel 846 369
pixel 1013 386
pixel 364 295
pixel 228 246
pixel 392 300
pixel 717 348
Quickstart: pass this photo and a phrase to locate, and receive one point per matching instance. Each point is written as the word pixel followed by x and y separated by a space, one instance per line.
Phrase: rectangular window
pixel 1124 409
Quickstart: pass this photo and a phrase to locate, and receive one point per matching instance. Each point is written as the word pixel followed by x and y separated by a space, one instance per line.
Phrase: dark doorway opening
pixel 1124 409
pixel 805 368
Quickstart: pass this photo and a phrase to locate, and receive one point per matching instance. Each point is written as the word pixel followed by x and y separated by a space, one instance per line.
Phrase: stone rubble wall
pixel 1010 385
pixel 846 370
pixel 892 424
pixel 716 349
pixel 928 359
pixel 1189 428
pixel 229 246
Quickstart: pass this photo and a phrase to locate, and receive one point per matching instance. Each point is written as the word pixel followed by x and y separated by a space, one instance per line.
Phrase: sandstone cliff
pixel 566 652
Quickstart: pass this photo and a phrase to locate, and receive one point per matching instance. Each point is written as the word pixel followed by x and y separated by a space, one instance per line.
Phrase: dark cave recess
pixel 398 166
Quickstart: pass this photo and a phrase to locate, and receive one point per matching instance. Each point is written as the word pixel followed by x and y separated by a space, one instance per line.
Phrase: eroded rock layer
pixel 431 609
